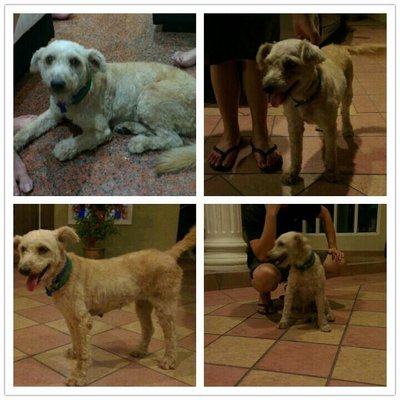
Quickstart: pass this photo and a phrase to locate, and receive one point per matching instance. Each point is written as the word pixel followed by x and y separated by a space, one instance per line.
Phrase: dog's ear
pixel 96 60
pixel 298 240
pixel 17 241
pixel 310 53
pixel 262 53
pixel 35 60
pixel 66 235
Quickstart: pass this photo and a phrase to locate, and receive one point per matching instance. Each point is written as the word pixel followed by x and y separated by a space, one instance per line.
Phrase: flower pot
pixel 94 252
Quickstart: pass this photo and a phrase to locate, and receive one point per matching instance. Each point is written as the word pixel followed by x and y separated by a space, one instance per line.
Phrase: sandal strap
pixel 265 153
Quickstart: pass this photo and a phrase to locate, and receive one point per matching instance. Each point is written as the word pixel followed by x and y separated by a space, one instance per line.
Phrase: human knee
pixel 334 268
pixel 265 278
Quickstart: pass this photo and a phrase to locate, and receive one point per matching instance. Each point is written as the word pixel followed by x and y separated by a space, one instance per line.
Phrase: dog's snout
pixel 24 270
pixel 57 84
pixel 269 89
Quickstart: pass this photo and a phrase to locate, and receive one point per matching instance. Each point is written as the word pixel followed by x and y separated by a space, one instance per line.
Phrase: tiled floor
pixel 243 348
pixel 41 340
pixel 109 170
pixel 362 160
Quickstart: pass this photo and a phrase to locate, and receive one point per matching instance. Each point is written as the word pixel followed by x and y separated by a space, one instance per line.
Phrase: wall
pixel 153 225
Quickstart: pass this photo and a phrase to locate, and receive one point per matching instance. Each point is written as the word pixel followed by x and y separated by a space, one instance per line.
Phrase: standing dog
pixel 154 101
pixel 82 288
pixel 306 282
pixel 311 83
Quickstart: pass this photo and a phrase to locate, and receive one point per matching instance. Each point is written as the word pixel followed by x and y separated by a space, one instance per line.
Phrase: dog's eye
pixel 74 62
pixel 43 250
pixel 289 64
pixel 49 60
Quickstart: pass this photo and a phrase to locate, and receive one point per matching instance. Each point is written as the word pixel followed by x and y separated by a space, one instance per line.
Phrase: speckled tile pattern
pixel 362 160
pixel 111 169
pixel 112 338
pixel 243 348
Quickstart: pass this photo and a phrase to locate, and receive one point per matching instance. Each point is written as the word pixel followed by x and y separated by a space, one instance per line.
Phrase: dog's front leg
pixel 49 119
pixel 287 309
pixel 330 153
pixel 83 358
pixel 296 130
pixel 143 311
pixel 321 304
pixel 91 138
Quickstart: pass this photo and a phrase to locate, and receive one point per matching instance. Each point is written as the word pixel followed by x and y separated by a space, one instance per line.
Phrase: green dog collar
pixel 61 279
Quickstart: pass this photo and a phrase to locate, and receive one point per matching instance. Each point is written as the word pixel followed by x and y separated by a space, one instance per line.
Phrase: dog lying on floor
pixel 155 102
pixel 306 281
pixel 311 83
pixel 82 288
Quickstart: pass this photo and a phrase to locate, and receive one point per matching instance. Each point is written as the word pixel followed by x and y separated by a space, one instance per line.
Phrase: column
pixel 224 247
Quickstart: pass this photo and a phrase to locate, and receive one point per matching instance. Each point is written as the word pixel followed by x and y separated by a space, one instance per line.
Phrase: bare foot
pixel 185 59
pixel 225 156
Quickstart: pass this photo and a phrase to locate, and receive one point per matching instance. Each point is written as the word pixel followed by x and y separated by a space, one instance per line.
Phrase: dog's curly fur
pixel 156 102
pixel 305 287
pixel 150 278
pixel 311 83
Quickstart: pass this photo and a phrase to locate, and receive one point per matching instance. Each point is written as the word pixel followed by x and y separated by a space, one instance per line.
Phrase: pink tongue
pixel 32 282
pixel 277 99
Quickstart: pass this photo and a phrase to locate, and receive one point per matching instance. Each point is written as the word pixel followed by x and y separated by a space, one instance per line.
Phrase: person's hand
pixel 336 254
pixel 304 28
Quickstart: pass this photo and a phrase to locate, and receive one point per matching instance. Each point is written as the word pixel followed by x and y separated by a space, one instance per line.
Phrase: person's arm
pixel 304 27
pixel 330 234
pixel 264 244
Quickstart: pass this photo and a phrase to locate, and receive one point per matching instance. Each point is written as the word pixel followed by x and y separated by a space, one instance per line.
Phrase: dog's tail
pixel 367 49
pixel 186 243
pixel 177 159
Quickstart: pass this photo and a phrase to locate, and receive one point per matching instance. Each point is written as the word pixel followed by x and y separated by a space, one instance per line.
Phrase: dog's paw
pixel 19 141
pixel 77 380
pixel 66 149
pixel 138 353
pixel 325 328
pixel 167 363
pixel 290 178
pixel 138 144
pixel 283 324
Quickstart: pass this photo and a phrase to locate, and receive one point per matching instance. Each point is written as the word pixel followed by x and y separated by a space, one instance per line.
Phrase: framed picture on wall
pixel 121 213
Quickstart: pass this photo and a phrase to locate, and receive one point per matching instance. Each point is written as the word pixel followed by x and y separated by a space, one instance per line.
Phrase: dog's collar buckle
pixel 308 264
pixel 61 279
pixel 77 97
pixel 299 103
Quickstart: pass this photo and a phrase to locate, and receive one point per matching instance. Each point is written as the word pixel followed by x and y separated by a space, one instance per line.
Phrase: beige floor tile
pixel 181 331
pixel 24 302
pixel 185 370
pixel 371 185
pixel 269 378
pixel 98 326
pixel 368 318
pixel 22 322
pixel 218 186
pixel 236 351
pixel 310 333
pixel 372 295
pixel 211 308
pixel 361 365
pixel 19 355
pixel 219 325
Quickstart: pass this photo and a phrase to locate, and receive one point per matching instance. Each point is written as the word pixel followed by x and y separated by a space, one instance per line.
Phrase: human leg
pixel 258 104
pixel 226 86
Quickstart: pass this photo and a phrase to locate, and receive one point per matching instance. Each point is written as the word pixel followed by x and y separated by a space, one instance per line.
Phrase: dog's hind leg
pixel 347 128
pixel 166 316
pixel 143 311
pixel 162 140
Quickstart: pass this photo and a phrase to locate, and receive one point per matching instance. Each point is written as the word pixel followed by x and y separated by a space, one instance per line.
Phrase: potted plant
pixel 94 222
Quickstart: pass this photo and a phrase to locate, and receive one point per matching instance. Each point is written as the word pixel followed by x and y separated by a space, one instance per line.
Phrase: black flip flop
pixel 276 166
pixel 266 308
pixel 224 154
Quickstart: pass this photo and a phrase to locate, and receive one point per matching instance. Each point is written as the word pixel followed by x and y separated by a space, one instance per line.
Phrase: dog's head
pixel 42 253
pixel 289 249
pixel 288 66
pixel 66 67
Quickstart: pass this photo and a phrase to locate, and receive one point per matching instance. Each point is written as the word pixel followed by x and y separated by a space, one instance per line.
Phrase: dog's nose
pixel 24 270
pixel 269 89
pixel 57 84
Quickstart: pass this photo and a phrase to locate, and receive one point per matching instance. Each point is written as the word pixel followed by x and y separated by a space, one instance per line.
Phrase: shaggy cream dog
pixel 155 102
pixel 311 83
pixel 306 282
pixel 82 288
